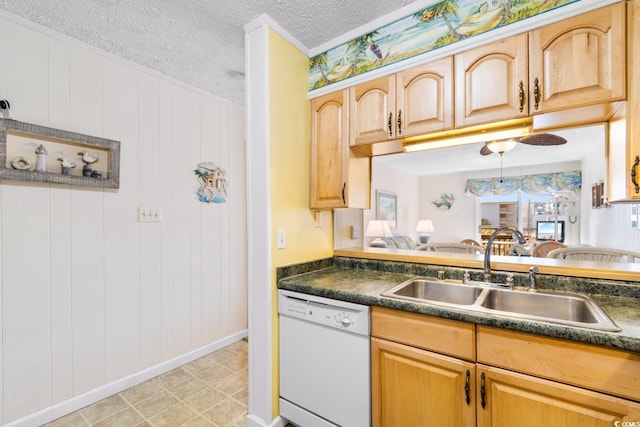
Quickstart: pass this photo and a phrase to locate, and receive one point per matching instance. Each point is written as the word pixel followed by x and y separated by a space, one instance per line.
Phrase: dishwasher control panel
pixel 325 311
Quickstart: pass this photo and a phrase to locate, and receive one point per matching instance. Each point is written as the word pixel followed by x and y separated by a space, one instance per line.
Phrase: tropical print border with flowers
pixel 428 29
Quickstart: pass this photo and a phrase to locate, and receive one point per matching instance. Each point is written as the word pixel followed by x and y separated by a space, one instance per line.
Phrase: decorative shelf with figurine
pixel 36 153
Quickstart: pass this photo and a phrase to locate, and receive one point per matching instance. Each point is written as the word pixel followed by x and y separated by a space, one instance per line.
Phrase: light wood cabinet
pixel 570 64
pixel 507 399
pixel 579 61
pixel 423 370
pixel 339 177
pixel 414 387
pixel 424 98
pixel 529 380
pixel 412 102
pixel 491 82
pixel 624 127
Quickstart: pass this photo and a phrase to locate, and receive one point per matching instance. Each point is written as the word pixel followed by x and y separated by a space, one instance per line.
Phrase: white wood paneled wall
pixel 89 294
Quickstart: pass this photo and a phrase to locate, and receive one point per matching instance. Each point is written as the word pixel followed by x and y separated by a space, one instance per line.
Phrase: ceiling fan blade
pixel 485 150
pixel 542 139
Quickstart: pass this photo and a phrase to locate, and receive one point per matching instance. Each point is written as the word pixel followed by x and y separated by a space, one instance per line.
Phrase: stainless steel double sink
pixel 563 308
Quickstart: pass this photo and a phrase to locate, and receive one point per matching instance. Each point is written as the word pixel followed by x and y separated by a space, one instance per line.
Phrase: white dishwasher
pixel 324 361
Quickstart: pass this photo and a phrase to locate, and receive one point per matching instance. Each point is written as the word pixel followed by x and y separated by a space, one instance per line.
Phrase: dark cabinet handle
pixel 634 174
pixel 536 92
pixel 390 122
pixel 399 122
pixel 467 387
pixel 344 189
pixel 521 96
pixel 483 401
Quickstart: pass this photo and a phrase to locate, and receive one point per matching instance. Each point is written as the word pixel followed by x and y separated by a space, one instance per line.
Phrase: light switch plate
pixel 282 239
pixel 149 215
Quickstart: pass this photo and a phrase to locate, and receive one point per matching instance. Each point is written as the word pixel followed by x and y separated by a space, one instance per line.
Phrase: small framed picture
pixel 387 207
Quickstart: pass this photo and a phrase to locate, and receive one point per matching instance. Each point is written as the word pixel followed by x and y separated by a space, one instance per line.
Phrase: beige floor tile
pixel 128 417
pixel 191 391
pixel 74 419
pixel 205 400
pixel 175 416
pixel 222 355
pixel 200 365
pixel 174 377
pixel 142 391
pixel 232 384
pixel 241 347
pixel 241 421
pixel 214 375
pixel 236 363
pixel 104 408
pixel 155 404
pixel 225 412
pixel 188 388
pixel 242 396
pixel 199 422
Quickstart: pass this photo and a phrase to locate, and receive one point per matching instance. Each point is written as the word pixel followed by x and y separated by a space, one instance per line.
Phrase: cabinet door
pixel 491 82
pixel 329 150
pixel 507 399
pixel 413 387
pixel 424 98
pixel 372 111
pixel 579 61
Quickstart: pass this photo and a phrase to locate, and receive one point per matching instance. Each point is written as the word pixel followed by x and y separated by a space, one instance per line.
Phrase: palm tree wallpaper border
pixel 431 28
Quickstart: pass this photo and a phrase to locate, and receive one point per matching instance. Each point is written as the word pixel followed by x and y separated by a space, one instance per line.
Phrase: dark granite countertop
pixel 364 286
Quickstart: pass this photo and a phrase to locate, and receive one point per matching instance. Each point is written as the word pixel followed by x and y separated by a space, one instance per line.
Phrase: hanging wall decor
pixel 445 202
pixel 213 185
pixel 34 153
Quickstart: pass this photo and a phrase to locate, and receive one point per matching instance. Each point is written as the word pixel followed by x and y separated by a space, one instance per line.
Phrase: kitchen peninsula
pixel 484 362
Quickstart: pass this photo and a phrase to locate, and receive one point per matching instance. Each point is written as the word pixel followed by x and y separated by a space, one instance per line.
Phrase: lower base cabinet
pixel 414 387
pixel 444 381
pixel 507 399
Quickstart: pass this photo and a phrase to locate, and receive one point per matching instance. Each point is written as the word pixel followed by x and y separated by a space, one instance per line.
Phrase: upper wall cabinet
pixel 372 111
pixel 579 61
pixel 411 102
pixel 623 144
pixel 339 178
pixel 424 98
pixel 491 82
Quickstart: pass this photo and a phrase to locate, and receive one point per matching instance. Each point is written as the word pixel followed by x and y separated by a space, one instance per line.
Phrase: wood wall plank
pixel 122 266
pixel 111 296
pixel 26 294
pixel 149 173
pixel 212 245
pixel 195 214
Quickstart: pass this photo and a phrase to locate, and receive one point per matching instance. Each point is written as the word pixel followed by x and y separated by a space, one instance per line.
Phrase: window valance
pixel 532 184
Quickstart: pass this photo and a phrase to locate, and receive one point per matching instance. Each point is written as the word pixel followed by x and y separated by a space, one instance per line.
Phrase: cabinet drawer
pixel 444 336
pixel 610 371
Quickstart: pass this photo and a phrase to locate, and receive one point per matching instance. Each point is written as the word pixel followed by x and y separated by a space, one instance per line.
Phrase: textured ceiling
pixel 199 42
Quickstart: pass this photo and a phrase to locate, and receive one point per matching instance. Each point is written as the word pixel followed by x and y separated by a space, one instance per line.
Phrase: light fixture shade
pixel 501 146
pixel 472 134
pixel 425 226
pixel 378 228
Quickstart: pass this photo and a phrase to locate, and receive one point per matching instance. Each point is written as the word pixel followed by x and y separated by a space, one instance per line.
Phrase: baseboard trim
pixel 78 402
pixel 254 421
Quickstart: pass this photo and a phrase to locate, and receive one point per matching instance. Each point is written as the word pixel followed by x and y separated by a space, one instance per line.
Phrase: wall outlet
pixel 149 215
pixel 355 232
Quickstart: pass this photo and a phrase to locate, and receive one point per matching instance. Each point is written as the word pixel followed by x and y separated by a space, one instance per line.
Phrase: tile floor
pixel 210 391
